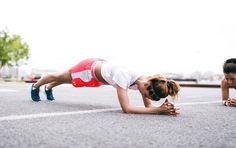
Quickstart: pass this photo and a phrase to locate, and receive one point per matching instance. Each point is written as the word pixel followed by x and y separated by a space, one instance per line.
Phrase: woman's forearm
pixel 141 110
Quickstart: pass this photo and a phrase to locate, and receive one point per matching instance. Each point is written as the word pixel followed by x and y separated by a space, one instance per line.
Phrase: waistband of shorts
pixel 93 66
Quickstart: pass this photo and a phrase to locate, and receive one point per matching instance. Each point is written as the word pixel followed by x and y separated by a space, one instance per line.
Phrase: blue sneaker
pixel 49 94
pixel 35 94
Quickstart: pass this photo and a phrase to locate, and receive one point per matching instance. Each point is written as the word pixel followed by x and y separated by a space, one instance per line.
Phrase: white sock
pixel 34 88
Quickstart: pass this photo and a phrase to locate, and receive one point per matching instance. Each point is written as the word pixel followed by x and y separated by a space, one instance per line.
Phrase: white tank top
pixel 118 75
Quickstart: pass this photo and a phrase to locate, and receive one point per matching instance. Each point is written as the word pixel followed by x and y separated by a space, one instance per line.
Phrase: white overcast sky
pixel 154 36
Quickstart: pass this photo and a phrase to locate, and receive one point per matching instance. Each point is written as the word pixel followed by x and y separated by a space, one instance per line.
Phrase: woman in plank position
pixel 96 72
pixel 229 70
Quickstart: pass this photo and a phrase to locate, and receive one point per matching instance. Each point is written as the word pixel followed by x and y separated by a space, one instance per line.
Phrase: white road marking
pixel 43 115
pixel 197 103
pixel 7 90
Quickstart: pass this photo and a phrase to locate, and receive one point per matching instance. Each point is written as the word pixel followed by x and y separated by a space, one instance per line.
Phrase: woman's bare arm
pixel 165 108
pixel 147 102
pixel 224 92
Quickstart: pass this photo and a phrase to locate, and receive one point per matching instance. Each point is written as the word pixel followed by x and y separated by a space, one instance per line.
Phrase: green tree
pixel 12 49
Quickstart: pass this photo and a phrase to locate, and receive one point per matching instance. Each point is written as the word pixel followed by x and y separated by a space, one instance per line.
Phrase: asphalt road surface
pixel 92 118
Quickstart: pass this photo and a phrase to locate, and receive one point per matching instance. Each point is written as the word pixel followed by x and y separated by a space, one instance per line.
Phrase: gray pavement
pixel 91 118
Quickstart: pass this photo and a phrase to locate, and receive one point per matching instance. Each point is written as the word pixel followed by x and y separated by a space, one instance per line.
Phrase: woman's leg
pixel 55 79
pixel 52 80
pixel 62 78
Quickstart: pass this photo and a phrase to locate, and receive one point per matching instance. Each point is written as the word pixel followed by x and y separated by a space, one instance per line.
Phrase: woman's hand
pixel 168 108
pixel 231 102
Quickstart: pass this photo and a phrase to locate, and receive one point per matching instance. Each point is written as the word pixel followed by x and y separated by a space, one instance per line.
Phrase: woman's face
pixel 230 78
pixel 145 91
pixel 149 93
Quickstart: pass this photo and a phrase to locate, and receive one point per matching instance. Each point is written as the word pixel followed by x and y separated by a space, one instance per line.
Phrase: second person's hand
pixel 232 102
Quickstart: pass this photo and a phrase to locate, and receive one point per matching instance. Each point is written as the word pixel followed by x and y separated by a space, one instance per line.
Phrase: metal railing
pixel 194 83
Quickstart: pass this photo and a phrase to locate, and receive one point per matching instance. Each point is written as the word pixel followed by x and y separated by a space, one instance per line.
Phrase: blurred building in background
pixel 23 73
pixel 27 74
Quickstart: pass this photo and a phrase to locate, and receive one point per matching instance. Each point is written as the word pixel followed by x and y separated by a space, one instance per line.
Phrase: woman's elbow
pixel 126 110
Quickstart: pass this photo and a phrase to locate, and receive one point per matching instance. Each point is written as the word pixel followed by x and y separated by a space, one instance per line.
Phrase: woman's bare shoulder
pixel 224 84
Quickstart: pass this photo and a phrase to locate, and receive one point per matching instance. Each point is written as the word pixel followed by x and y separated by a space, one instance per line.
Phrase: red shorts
pixel 83 74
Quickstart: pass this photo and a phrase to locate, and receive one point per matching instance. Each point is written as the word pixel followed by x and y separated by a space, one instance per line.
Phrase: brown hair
pixel 164 87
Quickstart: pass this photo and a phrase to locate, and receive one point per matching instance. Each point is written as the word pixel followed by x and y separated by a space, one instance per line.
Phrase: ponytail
pixel 164 87
pixel 173 88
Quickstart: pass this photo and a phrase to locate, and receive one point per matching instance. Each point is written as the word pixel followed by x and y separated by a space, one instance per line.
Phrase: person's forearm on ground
pixel 141 110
